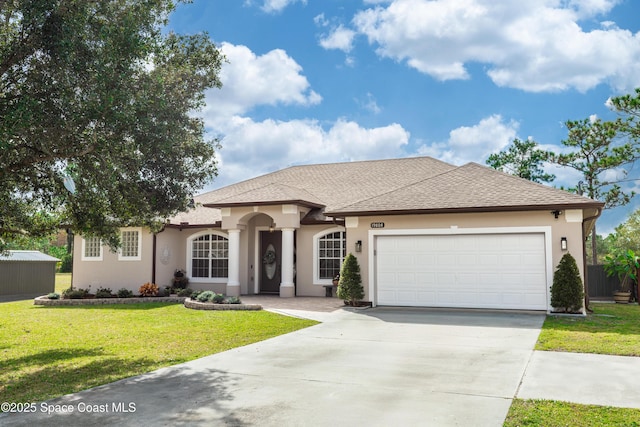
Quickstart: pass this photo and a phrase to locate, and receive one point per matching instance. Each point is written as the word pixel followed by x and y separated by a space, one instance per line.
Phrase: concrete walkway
pixel 583 378
pixel 372 367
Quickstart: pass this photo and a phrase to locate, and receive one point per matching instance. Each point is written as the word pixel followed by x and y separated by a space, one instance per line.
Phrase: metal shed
pixel 26 274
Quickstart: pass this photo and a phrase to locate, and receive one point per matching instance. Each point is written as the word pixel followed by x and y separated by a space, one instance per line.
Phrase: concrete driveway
pixel 374 367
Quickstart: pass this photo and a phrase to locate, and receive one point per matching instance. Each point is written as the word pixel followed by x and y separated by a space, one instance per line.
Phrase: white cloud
pixel 251 148
pixel 591 8
pixel 473 143
pixel 535 46
pixel 340 38
pixel 369 104
pixel 275 6
pixel 249 80
pixel 320 20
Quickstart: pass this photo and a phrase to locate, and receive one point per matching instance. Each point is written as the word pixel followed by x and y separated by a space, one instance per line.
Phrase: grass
pixel 610 329
pixel 46 352
pixel 550 413
pixel 63 281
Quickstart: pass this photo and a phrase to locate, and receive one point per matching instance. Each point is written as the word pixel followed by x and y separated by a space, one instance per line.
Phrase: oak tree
pixel 97 123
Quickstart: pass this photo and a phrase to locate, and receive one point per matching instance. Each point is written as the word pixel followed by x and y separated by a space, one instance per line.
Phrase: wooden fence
pixel 598 284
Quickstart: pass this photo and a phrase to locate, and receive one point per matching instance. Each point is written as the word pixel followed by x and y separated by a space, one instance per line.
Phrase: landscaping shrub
pixel 218 298
pixel 71 293
pixel 205 296
pixel 350 286
pixel 233 300
pixel 567 290
pixel 195 294
pixel 180 281
pixel 148 290
pixel 53 295
pixel 66 263
pixel 185 292
pixel 103 293
pixel 125 293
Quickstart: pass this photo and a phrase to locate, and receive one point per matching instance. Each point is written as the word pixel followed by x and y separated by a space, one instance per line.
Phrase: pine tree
pixel 350 286
pixel 567 290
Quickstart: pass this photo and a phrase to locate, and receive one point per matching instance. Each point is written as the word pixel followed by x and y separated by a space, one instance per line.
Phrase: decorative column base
pixel 287 291
pixel 233 290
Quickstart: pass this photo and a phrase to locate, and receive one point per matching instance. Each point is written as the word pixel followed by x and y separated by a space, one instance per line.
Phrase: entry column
pixel 233 282
pixel 287 288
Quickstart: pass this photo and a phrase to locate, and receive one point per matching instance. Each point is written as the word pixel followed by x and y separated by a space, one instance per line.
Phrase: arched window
pixel 329 253
pixel 209 256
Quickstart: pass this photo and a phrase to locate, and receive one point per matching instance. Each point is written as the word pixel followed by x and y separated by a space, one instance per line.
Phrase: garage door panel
pixel 484 270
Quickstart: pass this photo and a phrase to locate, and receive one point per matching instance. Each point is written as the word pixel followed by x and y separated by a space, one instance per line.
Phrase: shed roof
pixel 27 256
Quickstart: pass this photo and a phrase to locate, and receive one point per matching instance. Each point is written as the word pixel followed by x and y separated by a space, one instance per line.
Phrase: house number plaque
pixel 377 225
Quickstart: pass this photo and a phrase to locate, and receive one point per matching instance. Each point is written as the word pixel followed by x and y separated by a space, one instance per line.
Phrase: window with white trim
pixel 210 256
pixel 130 245
pixel 91 249
pixel 331 251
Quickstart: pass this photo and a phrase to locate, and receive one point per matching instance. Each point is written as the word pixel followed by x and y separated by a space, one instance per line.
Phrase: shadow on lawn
pixel 47 357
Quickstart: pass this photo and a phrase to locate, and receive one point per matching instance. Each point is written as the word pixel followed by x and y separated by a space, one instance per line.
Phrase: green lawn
pixel 549 413
pixel 47 352
pixel 610 329
pixel 63 281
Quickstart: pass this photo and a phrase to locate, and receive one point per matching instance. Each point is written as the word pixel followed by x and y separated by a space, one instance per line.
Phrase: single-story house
pixel 425 233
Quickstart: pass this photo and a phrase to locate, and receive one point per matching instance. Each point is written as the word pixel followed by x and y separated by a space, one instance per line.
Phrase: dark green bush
pixel 180 281
pixel 53 295
pixel 194 294
pixel 66 263
pixel 350 286
pixel 124 293
pixel 185 292
pixel 72 293
pixel 233 300
pixel 217 298
pixel 205 296
pixel 567 290
pixel 103 293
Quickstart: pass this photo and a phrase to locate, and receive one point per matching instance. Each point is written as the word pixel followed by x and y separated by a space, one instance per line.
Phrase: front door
pixel 270 261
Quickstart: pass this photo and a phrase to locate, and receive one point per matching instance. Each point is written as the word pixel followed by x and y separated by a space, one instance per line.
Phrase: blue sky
pixel 316 81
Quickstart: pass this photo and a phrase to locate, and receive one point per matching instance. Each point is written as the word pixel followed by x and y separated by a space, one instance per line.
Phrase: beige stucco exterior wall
pixel 111 272
pixel 306 285
pixel 568 224
pixel 170 253
pixel 171 245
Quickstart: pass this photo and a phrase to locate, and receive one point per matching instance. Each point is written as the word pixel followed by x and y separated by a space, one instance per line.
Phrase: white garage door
pixel 475 271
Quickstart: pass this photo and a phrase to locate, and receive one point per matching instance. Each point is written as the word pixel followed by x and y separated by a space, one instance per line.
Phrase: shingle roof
pixel 331 185
pixel 469 188
pixel 416 184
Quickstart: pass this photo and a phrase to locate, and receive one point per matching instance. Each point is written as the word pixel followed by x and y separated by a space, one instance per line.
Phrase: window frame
pixel 137 257
pixel 316 253
pixel 190 240
pixel 83 253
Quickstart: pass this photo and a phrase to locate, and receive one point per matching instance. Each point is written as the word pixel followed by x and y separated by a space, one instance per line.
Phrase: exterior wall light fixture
pixel 563 243
pixel 556 213
pixel 359 246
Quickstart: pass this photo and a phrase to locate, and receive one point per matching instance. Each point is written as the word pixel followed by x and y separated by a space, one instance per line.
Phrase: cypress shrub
pixel 567 290
pixel 350 286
